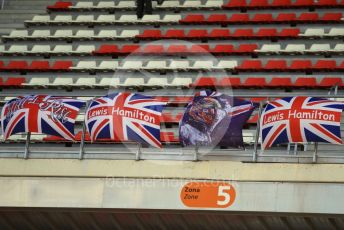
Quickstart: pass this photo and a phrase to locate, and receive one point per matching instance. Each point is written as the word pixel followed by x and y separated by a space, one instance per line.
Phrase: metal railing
pixel 293 152
pixel 2 4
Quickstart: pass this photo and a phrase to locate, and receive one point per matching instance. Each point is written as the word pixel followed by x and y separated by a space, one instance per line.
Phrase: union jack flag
pixel 40 114
pixel 125 117
pixel 301 119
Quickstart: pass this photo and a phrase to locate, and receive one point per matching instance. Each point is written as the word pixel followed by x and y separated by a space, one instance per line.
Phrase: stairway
pixel 15 12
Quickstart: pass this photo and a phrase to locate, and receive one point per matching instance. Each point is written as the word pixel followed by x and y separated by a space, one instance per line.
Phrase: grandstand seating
pixel 244 47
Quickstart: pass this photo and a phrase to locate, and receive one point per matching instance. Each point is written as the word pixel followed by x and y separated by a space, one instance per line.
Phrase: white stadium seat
pixel 2 48
pixel 63 18
pixel 19 33
pixel 213 3
pixel 85 81
pixel 335 32
pixel 103 4
pixel 338 48
pixel 169 4
pixel 224 64
pixel 83 5
pixel 111 82
pixel 85 65
pixel 18 49
pixel 108 65
pixel 317 32
pixel 207 65
pixel 179 64
pixel 106 18
pixel 63 49
pixel 156 65
pixel 41 18
pixel 40 49
pixel 129 33
pixel 319 48
pixel 84 34
pixel 41 33
pixel 270 48
pixel 128 18
pixel 181 82
pixel 294 48
pixel 63 33
pixel 194 3
pixel 107 34
pixel 150 18
pixel 85 49
pixel 63 81
pixel 126 4
pixel 84 18
pixel 172 17
pixel 38 81
pixel 133 81
pixel 131 65
pixel 157 82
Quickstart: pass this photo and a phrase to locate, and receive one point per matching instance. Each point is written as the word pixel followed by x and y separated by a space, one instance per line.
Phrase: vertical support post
pixel 27 145
pixel 256 139
pixel 295 149
pixel 196 154
pixel 82 141
pixel 138 153
pixel 315 154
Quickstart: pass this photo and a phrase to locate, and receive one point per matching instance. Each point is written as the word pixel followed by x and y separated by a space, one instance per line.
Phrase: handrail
pixel 2 4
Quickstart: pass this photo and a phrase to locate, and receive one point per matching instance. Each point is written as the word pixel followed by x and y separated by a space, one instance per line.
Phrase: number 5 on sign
pixel 207 195
pixel 223 191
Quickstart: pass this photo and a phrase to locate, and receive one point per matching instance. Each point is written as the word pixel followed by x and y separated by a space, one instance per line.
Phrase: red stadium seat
pixel 193 18
pixel 258 4
pixel 266 32
pixel 239 18
pixel 2 65
pixel 303 3
pixel 223 49
pixel 62 65
pixel 278 65
pixel 168 137
pixel 281 3
pixel 200 49
pixel 197 34
pixel 258 82
pixel 181 100
pixel 306 82
pixel 167 118
pixel 250 65
pixel 246 48
pixel 236 4
pixel 219 33
pixel 328 82
pixel 150 34
pixel 282 82
pixel 325 65
pixel 107 49
pixel 233 82
pixel 253 119
pixel 308 17
pixel 243 33
pixel 285 17
pixel 172 33
pixel 300 65
pixel 128 49
pixel 60 6
pixel 14 81
pixel 217 18
pixel 39 66
pixel 177 49
pixel 17 65
pixel 205 82
pixel 289 32
pixel 266 18
pixel 153 49
pixel 1 82
pixel 331 17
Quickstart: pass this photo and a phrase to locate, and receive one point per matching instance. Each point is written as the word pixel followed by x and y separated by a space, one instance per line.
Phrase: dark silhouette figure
pixel 145 7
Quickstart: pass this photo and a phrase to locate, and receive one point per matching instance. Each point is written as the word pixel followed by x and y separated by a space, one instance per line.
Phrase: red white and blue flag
pixel 40 114
pixel 301 119
pixel 125 117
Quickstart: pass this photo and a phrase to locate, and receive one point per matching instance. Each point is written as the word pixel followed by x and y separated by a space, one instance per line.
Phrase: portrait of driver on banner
pixel 213 118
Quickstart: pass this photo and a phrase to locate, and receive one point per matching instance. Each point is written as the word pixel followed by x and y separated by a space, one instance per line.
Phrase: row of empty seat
pixel 195 4
pixel 220 49
pixel 130 5
pixel 181 65
pixel 203 82
pixel 286 4
pixel 223 19
pixel 217 34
